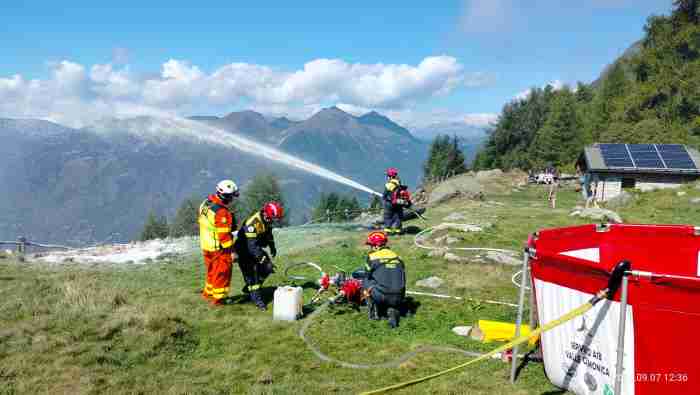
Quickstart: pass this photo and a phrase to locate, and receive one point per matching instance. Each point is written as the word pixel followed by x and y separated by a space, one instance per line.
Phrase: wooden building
pixel 615 167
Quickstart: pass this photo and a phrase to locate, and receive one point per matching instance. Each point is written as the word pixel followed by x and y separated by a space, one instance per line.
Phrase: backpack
pixel 401 196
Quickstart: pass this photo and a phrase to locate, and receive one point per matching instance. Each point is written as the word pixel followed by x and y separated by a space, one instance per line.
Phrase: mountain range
pixel 86 185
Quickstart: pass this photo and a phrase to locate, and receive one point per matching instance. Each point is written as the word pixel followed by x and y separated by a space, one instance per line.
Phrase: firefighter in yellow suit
pixel 216 224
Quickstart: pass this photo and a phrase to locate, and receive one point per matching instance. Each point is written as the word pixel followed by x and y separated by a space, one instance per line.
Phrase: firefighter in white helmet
pixel 216 224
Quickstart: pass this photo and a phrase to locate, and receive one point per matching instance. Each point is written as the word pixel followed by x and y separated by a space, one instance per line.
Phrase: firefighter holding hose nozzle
pixel 255 263
pixel 395 198
pixel 383 280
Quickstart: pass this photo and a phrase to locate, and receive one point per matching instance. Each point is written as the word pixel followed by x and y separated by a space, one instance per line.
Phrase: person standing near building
pixel 592 190
pixel 216 224
pixel 553 176
pixel 589 187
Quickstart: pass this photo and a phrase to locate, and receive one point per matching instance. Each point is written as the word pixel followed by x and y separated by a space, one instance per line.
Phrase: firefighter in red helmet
pixel 383 280
pixel 254 235
pixel 395 198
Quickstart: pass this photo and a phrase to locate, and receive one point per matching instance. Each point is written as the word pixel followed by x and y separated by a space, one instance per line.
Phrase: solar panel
pixel 616 155
pixel 676 156
pixel 641 147
pixel 647 156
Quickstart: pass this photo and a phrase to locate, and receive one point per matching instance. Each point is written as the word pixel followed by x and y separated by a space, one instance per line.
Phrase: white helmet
pixel 227 187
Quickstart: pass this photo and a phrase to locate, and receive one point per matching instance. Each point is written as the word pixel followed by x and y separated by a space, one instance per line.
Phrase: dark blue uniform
pixel 392 212
pixel 254 262
pixel 385 279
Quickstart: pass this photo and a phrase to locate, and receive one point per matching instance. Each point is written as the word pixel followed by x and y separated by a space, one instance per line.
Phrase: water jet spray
pixel 211 134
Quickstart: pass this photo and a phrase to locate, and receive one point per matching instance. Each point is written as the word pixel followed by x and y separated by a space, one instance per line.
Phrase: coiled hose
pixel 394 363
pixel 417 243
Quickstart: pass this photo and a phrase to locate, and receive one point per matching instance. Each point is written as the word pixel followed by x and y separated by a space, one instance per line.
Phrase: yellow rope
pixel 522 339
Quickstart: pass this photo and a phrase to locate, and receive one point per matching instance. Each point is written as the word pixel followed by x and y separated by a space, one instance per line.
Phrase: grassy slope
pixel 145 329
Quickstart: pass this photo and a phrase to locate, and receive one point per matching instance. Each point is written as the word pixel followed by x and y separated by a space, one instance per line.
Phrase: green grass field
pixel 145 329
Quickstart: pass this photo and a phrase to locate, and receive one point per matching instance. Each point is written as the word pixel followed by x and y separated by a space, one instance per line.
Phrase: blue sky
pixel 420 62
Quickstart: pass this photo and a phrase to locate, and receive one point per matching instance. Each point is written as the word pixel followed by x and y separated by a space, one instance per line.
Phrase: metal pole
pixel 519 319
pixel 533 308
pixel 621 336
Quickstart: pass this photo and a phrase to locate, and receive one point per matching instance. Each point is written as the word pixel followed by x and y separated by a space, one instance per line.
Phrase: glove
pixel 273 251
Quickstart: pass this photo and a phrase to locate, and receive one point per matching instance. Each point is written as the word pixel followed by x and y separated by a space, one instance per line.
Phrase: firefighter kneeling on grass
pixel 216 224
pixel 383 280
pixel 254 235
pixel 395 198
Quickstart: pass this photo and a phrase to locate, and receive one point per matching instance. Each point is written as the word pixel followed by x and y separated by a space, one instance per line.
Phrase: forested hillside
pixel 649 95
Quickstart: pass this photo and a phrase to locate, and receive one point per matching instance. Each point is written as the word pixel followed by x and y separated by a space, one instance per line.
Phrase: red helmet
pixel 273 211
pixel 376 239
pixel 392 172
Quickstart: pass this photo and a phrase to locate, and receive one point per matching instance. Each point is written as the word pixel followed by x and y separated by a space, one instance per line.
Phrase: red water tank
pixel 663 317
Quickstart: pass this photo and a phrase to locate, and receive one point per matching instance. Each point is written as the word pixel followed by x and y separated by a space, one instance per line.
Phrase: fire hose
pixel 408 292
pixel 608 292
pixel 389 364
pixel 324 282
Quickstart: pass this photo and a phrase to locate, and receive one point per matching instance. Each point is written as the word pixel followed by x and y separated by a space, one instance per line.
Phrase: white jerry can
pixel 287 304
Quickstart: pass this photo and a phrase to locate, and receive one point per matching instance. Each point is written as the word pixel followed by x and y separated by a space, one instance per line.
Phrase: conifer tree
pixel 156 227
pixel 558 141
pixel 185 221
pixel 262 189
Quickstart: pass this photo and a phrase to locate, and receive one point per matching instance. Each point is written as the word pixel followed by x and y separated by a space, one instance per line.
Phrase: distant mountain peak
pixel 331 114
pixel 374 118
pixel 249 114
pixel 333 110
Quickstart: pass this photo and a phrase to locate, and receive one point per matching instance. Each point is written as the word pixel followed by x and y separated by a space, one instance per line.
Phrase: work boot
pixel 257 299
pixel 372 312
pixel 393 317
pixel 245 289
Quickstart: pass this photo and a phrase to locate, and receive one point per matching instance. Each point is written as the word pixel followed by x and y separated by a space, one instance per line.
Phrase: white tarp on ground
pixel 581 354
pixel 289 240
pixel 135 252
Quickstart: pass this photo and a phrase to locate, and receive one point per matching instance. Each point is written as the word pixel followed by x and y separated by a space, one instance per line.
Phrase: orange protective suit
pixel 216 223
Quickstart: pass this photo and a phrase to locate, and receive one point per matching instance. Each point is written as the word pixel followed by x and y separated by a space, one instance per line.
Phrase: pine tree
pixel 155 227
pixel 558 141
pixel 652 95
pixel 687 10
pixel 445 159
pixel 264 188
pixel 376 202
pixel 185 221
pixel 455 158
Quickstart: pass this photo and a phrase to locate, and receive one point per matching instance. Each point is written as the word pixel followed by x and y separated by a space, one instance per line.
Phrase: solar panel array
pixel 647 156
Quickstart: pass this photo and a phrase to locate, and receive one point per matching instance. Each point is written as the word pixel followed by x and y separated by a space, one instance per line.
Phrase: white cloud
pixel 555 84
pixel 79 94
pixel 483 119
